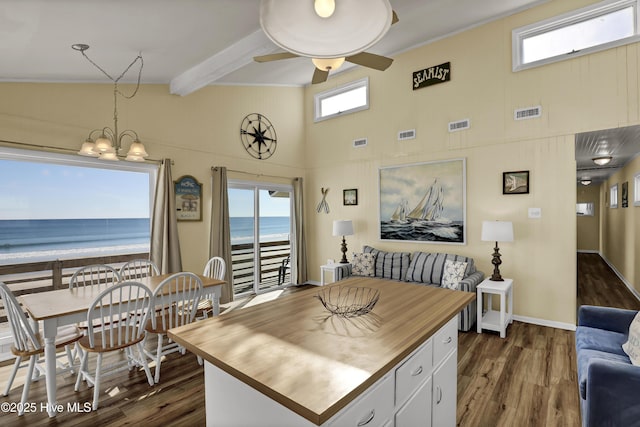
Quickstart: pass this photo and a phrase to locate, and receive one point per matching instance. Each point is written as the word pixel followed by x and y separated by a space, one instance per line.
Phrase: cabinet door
pixel 445 389
pixel 417 411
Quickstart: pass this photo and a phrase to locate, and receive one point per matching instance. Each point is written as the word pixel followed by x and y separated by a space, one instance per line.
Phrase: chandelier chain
pixel 116 80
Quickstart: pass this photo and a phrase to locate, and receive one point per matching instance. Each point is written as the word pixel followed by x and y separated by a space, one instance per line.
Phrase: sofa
pixel 422 268
pixel 608 382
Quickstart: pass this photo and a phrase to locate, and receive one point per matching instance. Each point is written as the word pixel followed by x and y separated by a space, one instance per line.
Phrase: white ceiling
pixel 192 43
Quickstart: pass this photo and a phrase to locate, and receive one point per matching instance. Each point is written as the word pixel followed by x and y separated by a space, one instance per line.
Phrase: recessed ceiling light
pixel 601 161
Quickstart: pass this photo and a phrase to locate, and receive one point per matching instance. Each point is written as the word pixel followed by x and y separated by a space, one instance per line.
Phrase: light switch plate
pixel 535 213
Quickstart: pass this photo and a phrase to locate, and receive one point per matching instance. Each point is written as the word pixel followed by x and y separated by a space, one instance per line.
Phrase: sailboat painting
pixel 424 202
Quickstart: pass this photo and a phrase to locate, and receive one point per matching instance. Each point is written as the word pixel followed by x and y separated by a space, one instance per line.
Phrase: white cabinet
pixel 417 410
pixel 445 392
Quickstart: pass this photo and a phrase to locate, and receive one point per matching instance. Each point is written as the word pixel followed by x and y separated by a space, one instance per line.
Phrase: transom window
pixel 345 99
pixel 601 26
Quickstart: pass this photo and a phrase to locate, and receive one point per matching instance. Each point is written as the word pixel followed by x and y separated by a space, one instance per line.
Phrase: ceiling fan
pixel 328 38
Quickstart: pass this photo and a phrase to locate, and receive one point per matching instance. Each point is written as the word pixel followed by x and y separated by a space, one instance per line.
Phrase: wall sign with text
pixel 188 199
pixel 432 75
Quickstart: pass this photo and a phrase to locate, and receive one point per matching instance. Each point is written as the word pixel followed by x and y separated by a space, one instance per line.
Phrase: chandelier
pixel 108 143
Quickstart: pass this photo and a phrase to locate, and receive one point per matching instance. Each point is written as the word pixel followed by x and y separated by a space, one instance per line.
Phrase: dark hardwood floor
pixel 526 379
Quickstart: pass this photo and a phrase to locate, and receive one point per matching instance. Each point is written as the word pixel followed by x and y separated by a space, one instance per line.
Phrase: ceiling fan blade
pixel 319 76
pixel 274 57
pixel 371 60
pixel 395 17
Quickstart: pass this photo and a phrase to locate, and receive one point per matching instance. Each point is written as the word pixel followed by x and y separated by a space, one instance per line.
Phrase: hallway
pixel 599 285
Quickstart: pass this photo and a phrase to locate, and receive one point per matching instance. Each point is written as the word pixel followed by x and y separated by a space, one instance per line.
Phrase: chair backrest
pixel 175 300
pixel 216 268
pixel 24 337
pixel 138 268
pixel 100 275
pixel 119 314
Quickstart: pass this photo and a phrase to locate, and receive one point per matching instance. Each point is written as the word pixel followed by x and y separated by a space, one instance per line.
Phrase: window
pixel 613 196
pixel 580 32
pixel 63 206
pixel 346 99
pixel 584 209
pixel 636 190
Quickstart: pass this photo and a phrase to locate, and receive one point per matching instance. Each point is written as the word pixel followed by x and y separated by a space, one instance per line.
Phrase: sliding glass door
pixel 261 235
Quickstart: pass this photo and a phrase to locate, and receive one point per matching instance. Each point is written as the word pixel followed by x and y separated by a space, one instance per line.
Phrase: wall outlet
pixel 535 213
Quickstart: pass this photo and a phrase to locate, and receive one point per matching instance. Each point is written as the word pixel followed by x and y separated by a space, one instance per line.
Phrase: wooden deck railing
pixel 51 275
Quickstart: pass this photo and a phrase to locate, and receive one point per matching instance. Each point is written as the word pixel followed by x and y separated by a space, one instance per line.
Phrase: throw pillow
pixel 363 264
pixel 632 346
pixel 453 273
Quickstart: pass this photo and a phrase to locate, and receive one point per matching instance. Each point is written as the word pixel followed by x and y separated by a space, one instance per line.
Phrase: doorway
pixel 261 236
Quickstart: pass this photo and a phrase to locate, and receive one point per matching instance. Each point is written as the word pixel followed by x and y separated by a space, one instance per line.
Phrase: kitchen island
pixel 290 362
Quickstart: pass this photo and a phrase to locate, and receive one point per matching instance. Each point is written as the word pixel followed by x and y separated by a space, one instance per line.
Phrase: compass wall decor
pixel 258 136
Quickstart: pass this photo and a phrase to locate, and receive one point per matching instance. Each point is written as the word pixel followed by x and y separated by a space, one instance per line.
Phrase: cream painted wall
pixel 586 93
pixel 197 132
pixel 589 226
pixel 621 227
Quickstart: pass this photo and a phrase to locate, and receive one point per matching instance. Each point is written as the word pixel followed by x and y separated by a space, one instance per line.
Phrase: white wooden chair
pixel 175 302
pixel 28 343
pixel 122 311
pixel 101 275
pixel 138 268
pixel 215 268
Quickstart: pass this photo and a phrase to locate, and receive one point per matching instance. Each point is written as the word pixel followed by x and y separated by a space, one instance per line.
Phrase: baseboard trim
pixel 621 277
pixel 586 251
pixel 544 322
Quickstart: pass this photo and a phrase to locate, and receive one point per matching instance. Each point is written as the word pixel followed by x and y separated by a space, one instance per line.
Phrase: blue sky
pixel 30 190
pixel 241 204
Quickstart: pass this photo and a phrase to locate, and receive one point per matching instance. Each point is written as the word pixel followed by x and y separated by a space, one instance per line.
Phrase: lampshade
pixel 497 231
pixel 103 145
pixel 327 64
pixel 354 26
pixel 601 161
pixel 137 149
pixel 343 227
pixel 109 156
pixel 324 8
pixel 88 149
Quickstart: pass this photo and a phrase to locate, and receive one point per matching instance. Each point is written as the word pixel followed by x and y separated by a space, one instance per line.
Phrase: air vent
pixel 362 142
pixel 406 134
pixel 527 113
pixel 459 125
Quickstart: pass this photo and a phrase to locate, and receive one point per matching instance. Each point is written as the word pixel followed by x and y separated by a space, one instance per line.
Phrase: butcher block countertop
pixel 294 351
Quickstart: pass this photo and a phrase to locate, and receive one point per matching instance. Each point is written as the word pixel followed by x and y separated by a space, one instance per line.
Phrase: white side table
pixel 333 269
pixel 491 319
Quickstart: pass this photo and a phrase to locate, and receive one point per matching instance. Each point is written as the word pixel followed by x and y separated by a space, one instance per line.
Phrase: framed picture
pixel 625 194
pixel 350 197
pixel 424 202
pixel 515 182
pixel 188 199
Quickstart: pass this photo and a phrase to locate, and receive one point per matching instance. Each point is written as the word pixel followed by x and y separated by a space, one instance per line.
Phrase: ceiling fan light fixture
pixel 324 8
pixel 353 28
pixel 601 161
pixel 327 64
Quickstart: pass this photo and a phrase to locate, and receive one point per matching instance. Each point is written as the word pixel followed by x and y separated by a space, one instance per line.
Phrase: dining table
pixel 68 306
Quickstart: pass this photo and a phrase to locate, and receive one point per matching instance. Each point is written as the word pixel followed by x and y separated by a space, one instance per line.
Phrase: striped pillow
pixel 389 265
pixel 429 268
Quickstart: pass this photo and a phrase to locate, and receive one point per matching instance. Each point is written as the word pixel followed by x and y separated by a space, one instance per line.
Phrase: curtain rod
pixel 254 174
pixel 49 147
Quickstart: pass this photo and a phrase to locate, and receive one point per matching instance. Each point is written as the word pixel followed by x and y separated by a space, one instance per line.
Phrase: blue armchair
pixel 609 384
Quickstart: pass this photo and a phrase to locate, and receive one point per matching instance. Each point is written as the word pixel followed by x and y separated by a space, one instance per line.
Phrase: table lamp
pixel 497 231
pixel 343 227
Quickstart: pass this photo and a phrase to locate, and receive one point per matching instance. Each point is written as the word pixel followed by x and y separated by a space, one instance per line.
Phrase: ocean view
pixel 41 240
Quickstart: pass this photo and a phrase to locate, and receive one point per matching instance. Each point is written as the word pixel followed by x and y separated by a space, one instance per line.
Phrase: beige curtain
pixel 165 244
pixel 300 248
pixel 220 239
